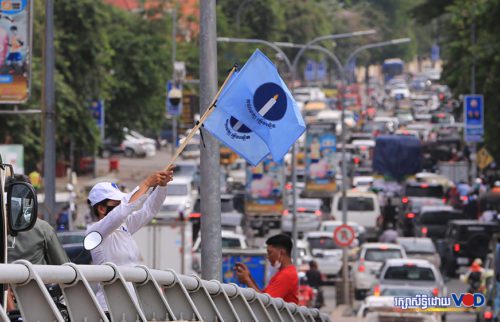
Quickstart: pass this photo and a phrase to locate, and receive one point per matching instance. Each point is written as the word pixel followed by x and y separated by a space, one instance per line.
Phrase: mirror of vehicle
pixel 92 240
pixel 22 207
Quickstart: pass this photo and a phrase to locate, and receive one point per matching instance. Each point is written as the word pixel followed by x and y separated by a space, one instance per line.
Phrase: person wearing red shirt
pixel 285 282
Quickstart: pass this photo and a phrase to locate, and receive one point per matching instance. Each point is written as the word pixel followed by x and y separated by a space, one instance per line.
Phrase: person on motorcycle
pixel 389 235
pixel 316 281
pixel 475 277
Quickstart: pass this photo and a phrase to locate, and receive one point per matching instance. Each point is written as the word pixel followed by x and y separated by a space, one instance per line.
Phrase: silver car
pixel 420 248
pixel 413 274
pixel 308 216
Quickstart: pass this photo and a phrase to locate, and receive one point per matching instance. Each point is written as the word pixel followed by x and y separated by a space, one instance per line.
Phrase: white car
pixel 308 216
pixel 371 258
pixel 362 208
pixel 331 225
pixel 191 151
pixel 134 146
pixel 362 183
pixel 229 240
pixel 237 174
pixel 180 197
pixel 412 274
pixel 325 252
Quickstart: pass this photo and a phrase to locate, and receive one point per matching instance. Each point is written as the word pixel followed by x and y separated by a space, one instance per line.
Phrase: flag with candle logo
pixel 235 135
pixel 260 101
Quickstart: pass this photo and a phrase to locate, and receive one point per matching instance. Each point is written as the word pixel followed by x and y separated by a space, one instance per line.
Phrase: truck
pixel 397 156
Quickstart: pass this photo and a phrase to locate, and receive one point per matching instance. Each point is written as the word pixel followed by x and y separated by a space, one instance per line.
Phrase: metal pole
pixel 174 54
pixel 473 148
pixel 49 164
pixel 211 248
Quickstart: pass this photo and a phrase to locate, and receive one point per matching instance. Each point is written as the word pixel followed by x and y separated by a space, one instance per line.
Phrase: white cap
pixel 103 191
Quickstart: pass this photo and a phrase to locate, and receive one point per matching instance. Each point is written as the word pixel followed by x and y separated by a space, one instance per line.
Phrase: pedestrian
pixel 118 220
pixel 285 281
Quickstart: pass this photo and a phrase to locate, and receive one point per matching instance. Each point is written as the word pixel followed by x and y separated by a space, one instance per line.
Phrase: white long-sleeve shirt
pixel 117 228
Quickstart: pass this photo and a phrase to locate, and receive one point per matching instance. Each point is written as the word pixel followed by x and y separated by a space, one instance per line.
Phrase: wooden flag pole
pixel 202 119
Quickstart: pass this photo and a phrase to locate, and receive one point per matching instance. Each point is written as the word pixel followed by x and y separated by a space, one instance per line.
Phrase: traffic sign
pixel 473 118
pixel 344 235
pixel 484 158
pixel 310 70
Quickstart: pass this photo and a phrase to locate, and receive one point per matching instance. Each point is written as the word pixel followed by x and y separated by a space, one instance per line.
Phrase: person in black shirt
pixel 315 280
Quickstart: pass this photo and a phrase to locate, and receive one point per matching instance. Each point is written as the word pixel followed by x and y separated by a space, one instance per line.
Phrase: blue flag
pixel 235 135
pixel 260 100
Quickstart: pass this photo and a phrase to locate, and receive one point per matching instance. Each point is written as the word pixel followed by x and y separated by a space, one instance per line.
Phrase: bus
pixel 392 67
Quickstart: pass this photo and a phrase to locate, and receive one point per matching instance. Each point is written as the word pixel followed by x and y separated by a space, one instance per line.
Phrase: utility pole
pixel 49 115
pixel 473 146
pixel 211 248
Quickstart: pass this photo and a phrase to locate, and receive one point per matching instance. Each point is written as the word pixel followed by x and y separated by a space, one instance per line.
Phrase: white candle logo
pixel 263 111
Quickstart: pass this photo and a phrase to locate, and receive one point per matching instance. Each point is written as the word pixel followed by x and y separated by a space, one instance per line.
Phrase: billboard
pixel 320 160
pixel 13 154
pixel 264 188
pixel 15 50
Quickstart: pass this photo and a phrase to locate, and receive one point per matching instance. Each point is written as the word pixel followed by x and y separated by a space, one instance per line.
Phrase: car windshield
pixel 421 247
pixel 358 204
pixel 424 190
pixel 226 205
pixel 231 243
pixel 192 147
pixel 380 255
pixel 439 217
pixel 409 272
pixel 321 243
pixel 177 189
pixel 307 208
pixel 170 208
pixel 185 169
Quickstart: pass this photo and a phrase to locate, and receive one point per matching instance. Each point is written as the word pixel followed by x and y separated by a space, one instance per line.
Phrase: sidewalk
pixel 343 313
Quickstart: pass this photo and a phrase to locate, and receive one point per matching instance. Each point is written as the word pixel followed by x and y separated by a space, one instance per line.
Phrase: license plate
pixel 462 261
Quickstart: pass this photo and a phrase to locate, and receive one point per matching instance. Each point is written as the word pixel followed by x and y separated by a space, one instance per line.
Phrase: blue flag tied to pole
pixel 235 135
pixel 260 101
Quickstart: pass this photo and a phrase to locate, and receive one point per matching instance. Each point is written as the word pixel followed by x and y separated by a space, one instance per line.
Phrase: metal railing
pixel 161 296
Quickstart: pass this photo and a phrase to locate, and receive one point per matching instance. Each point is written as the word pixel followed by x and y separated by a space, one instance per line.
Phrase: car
pixel 309 216
pixel 231 219
pixel 325 252
pixel 304 256
pixel 191 151
pixel 464 241
pixel 415 195
pixel 412 273
pixel 368 264
pixel 237 174
pixel 186 168
pixel 432 221
pixel 330 225
pixel 111 147
pixel 229 240
pixel 362 208
pixel 362 183
pixel 404 117
pixel 134 146
pixel 72 243
pixel 420 248
pixel 181 198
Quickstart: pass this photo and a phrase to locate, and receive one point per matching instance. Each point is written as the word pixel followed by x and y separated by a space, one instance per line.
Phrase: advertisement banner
pixel 265 187
pixel 13 154
pixel 320 160
pixel 15 50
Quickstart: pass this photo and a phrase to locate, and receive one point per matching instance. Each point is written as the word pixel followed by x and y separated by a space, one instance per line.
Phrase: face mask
pixel 275 267
pixel 109 209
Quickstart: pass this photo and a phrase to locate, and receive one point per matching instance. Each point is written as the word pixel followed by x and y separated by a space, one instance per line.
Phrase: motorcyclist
pixel 475 277
pixel 389 235
pixel 316 281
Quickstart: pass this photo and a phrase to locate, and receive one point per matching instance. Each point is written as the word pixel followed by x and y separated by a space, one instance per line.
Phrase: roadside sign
pixel 310 70
pixel 435 52
pixel 484 158
pixel 97 110
pixel 321 71
pixel 16 29
pixel 344 235
pixel 174 100
pixel 473 118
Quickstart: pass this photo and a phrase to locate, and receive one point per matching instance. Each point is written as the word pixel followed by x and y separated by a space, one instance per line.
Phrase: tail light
pixel 445 200
pixel 286 212
pixel 456 247
pixel 194 215
pixel 405 200
pixel 288 186
pixel 424 231
pixel 410 215
pixel 424 185
pixel 301 209
pixel 435 291
pixel 463 198
pixel 376 290
pixel 356 160
pixel 361 267
pixel 488 315
pixel 318 213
